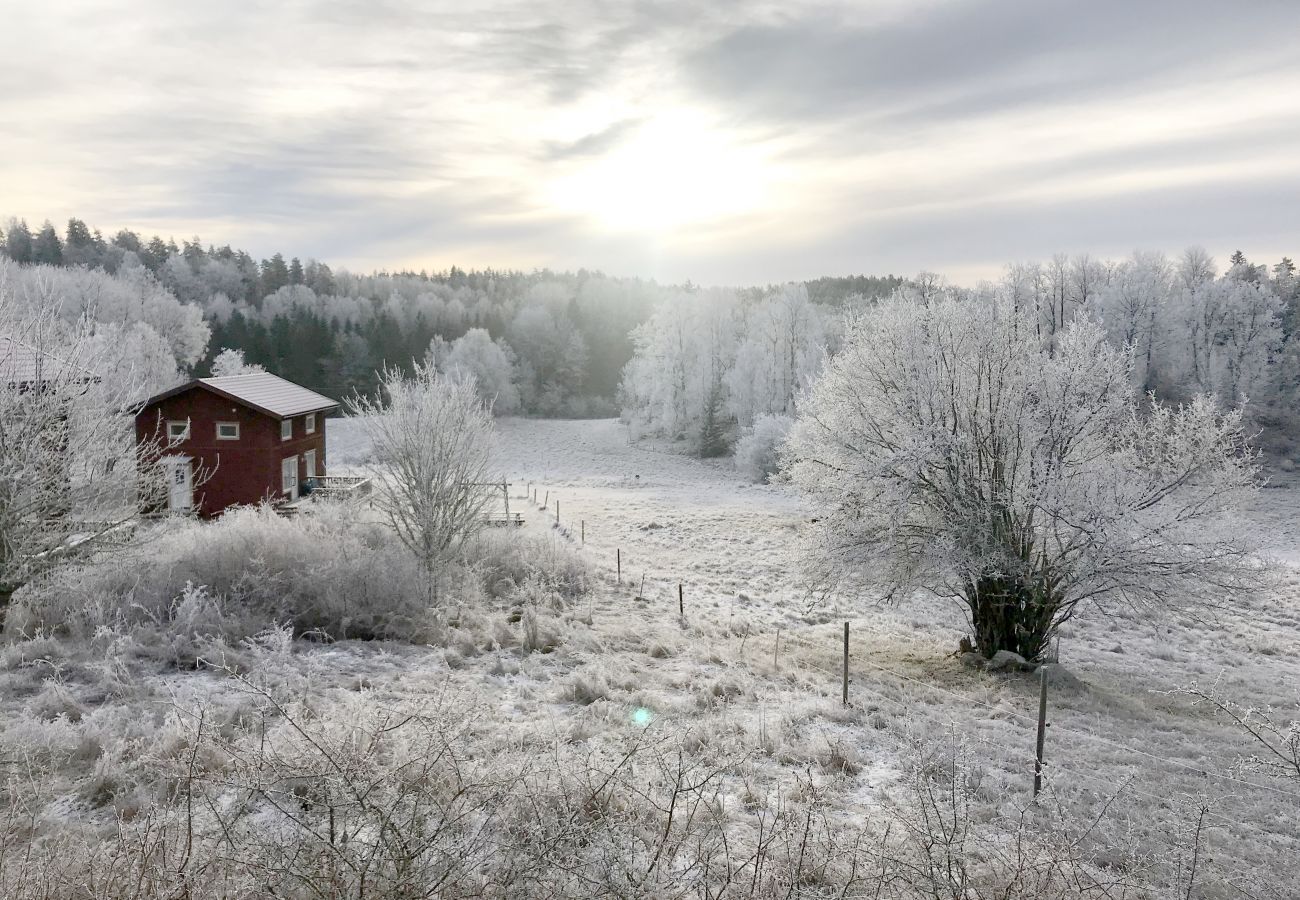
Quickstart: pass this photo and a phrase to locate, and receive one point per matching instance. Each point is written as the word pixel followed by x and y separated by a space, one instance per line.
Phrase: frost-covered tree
pixel 948 449
pixel 69 470
pixel 1132 307
pixel 782 347
pixel 129 297
pixel 715 360
pixel 432 436
pixel 1225 329
pixel 491 365
pixel 231 362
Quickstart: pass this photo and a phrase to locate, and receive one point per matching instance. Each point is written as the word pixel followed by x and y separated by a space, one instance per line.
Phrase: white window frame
pixel 185 433
pixel 311 423
pixel 286 429
pixel 285 486
pixel 227 437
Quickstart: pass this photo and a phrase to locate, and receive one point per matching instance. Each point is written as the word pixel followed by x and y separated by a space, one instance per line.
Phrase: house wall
pixel 228 472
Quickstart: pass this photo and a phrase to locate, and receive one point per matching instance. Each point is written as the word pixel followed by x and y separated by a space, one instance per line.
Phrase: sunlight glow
pixel 675 170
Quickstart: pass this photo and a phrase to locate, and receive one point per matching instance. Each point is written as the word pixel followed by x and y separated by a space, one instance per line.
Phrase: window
pixel 227 431
pixel 309 464
pixel 311 423
pixel 286 429
pixel 178 430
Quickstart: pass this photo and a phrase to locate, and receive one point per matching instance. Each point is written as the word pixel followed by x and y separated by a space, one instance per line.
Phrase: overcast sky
pixel 725 142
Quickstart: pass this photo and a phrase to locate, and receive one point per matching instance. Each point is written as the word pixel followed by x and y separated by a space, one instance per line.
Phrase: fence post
pixel 846 664
pixel 618 561
pixel 1042 729
pixel 547 501
pixel 584 532
pixel 557 510
pixel 681 602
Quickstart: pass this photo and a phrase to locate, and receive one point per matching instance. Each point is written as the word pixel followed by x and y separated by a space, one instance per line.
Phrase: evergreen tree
pixel 194 254
pixel 18 242
pixel 713 432
pixel 78 235
pixel 79 247
pixel 154 255
pixel 295 271
pixel 129 240
pixel 47 248
pixel 274 275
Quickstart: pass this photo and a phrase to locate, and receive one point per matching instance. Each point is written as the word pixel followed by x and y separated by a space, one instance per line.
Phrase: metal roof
pixel 24 365
pixel 270 393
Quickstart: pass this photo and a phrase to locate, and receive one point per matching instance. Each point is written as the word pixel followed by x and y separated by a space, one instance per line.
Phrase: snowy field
pixel 748 679
pixel 753 657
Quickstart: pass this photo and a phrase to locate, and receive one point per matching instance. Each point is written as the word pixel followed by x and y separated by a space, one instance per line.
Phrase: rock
pixel 1005 659
pixel 1287 465
pixel 972 660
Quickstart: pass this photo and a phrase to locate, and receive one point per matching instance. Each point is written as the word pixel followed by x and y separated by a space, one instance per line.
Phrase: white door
pixel 180 481
pixel 289 477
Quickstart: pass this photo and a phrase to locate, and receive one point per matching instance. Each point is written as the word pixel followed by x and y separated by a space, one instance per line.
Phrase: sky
pixel 725 142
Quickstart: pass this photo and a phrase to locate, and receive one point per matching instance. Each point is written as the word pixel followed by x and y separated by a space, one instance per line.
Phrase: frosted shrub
pixel 506 561
pixel 322 573
pixel 757 453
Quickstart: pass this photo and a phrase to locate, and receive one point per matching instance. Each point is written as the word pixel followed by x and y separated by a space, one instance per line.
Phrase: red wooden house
pixel 237 439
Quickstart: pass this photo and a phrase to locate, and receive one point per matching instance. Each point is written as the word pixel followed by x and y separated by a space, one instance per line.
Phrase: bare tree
pixel 950 451
pixel 432 436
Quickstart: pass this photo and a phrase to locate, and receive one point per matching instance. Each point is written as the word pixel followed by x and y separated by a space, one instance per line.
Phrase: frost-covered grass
pixel 577 719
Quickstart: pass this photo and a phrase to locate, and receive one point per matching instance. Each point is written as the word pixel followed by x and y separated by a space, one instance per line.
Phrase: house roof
pixel 261 391
pixel 22 364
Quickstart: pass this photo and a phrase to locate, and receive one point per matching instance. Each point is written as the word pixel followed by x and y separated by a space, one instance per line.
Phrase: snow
pixel 730 544
pixel 754 665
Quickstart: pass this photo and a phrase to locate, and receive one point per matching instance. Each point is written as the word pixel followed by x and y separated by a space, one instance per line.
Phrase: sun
pixel 675 171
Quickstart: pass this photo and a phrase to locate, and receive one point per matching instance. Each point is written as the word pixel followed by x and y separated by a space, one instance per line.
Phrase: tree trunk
pixel 1010 615
pixel 6 595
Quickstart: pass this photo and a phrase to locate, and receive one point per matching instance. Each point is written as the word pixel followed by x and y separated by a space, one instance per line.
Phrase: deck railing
pixel 334 486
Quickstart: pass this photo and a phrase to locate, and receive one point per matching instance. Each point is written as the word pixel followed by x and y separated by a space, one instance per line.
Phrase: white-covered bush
pixel 758 451
pixel 324 572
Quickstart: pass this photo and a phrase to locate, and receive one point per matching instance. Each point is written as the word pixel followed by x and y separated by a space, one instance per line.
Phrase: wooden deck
pixel 328 487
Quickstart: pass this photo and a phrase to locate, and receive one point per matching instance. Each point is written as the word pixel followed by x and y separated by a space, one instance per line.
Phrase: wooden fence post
pixel 1042 729
pixel 681 602
pixel 547 501
pixel 845 698
pixel 618 561
pixel 584 532
pixel 557 510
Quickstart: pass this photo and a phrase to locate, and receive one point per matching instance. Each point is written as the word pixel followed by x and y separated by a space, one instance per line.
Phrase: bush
pixel 505 561
pixel 757 453
pixel 322 573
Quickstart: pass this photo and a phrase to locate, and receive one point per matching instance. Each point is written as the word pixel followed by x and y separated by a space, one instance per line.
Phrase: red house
pixel 236 439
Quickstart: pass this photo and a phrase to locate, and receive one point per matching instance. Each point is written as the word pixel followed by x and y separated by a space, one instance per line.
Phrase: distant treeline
pixel 567 336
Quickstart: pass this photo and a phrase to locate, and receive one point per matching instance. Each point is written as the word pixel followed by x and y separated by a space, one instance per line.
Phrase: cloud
pixel 945 134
